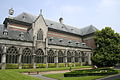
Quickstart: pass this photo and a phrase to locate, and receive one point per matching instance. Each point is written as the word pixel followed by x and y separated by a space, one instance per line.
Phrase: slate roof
pixel 65 42
pixel 14 35
pixel 26 17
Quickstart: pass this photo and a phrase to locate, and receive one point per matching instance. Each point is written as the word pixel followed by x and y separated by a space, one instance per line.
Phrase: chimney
pixel 61 20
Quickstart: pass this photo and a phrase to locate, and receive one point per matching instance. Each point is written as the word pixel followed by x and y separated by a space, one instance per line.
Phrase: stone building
pixel 28 39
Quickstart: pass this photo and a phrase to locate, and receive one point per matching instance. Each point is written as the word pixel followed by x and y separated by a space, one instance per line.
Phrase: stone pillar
pixel 3 61
pixel 80 59
pixel 19 58
pixel 65 58
pixel 45 58
pixel 86 58
pixel 73 59
pixel 46 50
pixel 33 61
pixel 56 58
pixel 89 58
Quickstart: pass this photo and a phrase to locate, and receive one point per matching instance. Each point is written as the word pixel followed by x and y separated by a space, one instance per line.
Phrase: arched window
pixel 60 56
pixel 77 55
pixel 26 55
pixel 40 35
pixel 0 53
pixel 12 55
pixel 51 56
pixel 69 56
pixel 39 56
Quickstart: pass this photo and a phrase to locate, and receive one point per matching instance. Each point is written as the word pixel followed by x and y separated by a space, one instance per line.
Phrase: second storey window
pixel 40 35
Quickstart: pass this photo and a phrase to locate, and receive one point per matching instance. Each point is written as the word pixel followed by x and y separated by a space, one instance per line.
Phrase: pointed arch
pixel 77 55
pixel 12 55
pixel 51 56
pixel 69 56
pixel 40 35
pixel 60 56
pixel 39 56
pixel 26 55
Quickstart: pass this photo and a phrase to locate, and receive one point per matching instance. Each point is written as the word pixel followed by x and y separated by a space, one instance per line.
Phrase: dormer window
pixel 60 40
pixel 51 39
pixel 77 43
pixel 72 29
pixel 62 27
pixel 51 24
pixel 69 41
pixel 84 44
pixel 5 32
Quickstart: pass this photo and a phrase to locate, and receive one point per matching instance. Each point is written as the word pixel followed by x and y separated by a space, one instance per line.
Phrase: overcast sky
pixel 78 13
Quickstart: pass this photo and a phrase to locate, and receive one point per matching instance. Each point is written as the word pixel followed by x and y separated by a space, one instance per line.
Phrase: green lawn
pixel 60 76
pixel 15 74
pixel 12 75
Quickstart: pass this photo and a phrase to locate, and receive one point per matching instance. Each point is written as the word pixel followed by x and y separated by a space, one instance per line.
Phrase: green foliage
pixel 40 65
pixel 60 76
pixel 91 72
pixel 27 66
pixel 107 52
pixel 11 66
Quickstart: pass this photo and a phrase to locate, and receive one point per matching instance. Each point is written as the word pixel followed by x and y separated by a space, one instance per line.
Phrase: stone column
pixel 65 58
pixel 45 58
pixel 19 58
pixel 86 58
pixel 73 59
pixel 33 61
pixel 56 58
pixel 80 59
pixel 89 58
pixel 46 50
pixel 3 61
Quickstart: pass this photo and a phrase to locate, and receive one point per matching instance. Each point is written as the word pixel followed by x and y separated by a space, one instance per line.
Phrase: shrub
pixel 51 65
pixel 40 65
pixel 27 66
pixel 89 72
pixel 61 64
pixel 11 66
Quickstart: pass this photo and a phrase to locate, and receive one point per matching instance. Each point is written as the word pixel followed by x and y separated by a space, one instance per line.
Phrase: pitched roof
pixel 15 35
pixel 26 17
pixel 65 42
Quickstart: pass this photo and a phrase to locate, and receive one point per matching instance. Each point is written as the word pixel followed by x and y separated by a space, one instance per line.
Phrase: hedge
pixel 91 72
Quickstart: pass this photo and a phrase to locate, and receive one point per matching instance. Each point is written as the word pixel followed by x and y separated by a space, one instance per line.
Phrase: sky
pixel 78 13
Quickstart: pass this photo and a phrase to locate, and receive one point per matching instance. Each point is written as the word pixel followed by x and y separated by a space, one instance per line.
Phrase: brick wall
pixel 63 35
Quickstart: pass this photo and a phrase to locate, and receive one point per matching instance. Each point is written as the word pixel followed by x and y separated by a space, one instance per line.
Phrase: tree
pixel 107 52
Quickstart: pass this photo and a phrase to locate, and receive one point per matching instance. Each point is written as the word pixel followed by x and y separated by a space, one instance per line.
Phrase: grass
pixel 60 76
pixel 15 74
pixel 12 75
pixel 47 69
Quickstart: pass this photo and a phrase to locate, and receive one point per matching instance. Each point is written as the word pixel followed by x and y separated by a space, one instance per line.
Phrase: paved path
pixel 48 72
pixel 51 72
pixel 43 77
pixel 111 77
